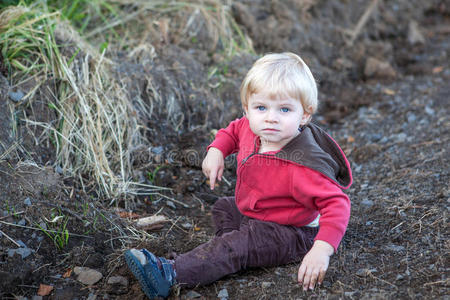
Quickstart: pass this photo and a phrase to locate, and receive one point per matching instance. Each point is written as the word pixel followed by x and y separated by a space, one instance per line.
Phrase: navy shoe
pixel 155 279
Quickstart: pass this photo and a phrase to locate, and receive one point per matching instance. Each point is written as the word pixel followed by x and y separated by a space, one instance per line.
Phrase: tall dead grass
pixel 96 125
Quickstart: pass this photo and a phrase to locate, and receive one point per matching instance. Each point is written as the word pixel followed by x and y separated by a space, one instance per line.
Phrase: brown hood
pixel 315 149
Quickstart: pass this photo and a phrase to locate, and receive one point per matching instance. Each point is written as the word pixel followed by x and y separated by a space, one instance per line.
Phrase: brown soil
pixel 392 122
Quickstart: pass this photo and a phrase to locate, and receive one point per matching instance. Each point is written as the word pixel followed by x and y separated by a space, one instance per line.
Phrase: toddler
pixel 288 204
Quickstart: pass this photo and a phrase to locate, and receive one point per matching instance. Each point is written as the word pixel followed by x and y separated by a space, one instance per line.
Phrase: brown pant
pixel 241 243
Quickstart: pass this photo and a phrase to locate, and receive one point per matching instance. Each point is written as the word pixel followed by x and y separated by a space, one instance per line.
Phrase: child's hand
pixel 315 264
pixel 213 166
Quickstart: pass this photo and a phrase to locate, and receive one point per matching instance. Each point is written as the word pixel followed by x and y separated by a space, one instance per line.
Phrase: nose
pixel 271 116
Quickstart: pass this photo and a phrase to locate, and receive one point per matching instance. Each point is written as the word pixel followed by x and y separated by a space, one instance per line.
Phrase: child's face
pixel 275 121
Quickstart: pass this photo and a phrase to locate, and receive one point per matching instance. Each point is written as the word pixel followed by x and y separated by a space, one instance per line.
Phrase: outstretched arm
pixel 315 264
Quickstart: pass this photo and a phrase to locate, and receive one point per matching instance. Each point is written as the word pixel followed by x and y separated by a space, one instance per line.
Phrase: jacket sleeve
pixel 316 191
pixel 227 139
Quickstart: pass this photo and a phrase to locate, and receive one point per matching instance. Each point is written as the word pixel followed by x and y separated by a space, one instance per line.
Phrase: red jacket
pixel 293 185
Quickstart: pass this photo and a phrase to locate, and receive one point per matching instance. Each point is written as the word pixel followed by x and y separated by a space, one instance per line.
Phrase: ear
pixel 245 109
pixel 305 118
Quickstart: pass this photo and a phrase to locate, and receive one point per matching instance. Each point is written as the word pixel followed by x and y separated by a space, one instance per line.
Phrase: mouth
pixel 270 130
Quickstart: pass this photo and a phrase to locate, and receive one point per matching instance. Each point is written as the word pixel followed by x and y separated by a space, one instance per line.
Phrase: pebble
pixel 367 202
pixel 223 294
pixel 16 96
pixel 59 170
pixel 22 222
pixel 171 204
pixel 186 225
pixel 375 137
pixel 401 137
pixel 27 201
pixel 158 150
pixel 118 285
pixel 411 117
pixel 193 295
pixel 92 296
pixel 429 110
pixel 266 284
pixel 24 252
pixel 87 276
pixel 118 280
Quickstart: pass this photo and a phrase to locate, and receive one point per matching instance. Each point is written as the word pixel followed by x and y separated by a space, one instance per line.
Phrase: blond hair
pixel 281 74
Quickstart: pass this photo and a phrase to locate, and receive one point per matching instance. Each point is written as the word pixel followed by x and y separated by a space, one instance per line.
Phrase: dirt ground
pixel 384 98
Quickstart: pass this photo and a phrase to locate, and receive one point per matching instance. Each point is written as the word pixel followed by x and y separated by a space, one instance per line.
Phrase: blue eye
pixel 260 108
pixel 285 109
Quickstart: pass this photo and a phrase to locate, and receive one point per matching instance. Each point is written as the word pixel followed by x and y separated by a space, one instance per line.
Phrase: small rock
pixel 411 117
pixel 27 201
pixel 401 137
pixel 171 204
pixel 92 296
pixel 16 96
pixel 223 294
pixel 158 150
pixel 415 35
pixel 429 111
pixel 87 276
pixel 193 295
pixel 22 244
pixel 118 285
pixel 22 222
pixel 186 225
pixel 24 252
pixel 367 202
pixel 399 277
pixel 375 137
pixel 369 223
pixel 348 294
pixel 118 280
pixel 59 170
pixel 375 68
pixel 266 284
pixel 43 225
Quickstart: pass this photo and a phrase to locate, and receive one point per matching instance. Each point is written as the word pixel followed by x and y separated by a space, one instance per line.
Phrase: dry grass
pixel 96 125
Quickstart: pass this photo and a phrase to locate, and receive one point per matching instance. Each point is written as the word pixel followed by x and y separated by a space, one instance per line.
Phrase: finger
pixel 301 273
pixel 212 179
pixel 313 280
pixel 307 279
pixel 321 276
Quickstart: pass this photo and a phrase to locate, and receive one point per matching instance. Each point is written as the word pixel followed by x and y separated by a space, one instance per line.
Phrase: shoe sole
pixel 138 271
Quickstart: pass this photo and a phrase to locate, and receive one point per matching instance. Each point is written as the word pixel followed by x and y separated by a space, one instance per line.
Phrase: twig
pixel 39 229
pixel 15 214
pixel 436 282
pixel 202 206
pixel 226 181
pixel 172 199
pixel 361 22
pixel 1 232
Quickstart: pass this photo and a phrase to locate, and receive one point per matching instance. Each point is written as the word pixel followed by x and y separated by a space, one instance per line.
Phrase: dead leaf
pixel 44 290
pixel 389 92
pixel 128 214
pixel 438 69
pixel 197 228
pixel 350 139
pixel 68 273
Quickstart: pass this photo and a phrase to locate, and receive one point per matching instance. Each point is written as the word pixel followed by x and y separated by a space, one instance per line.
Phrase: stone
pixel 223 294
pixel 376 68
pixel 27 201
pixel 87 276
pixel 367 202
pixel 24 252
pixel 118 285
pixel 266 284
pixel 193 295
pixel 16 96
pixel 415 35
